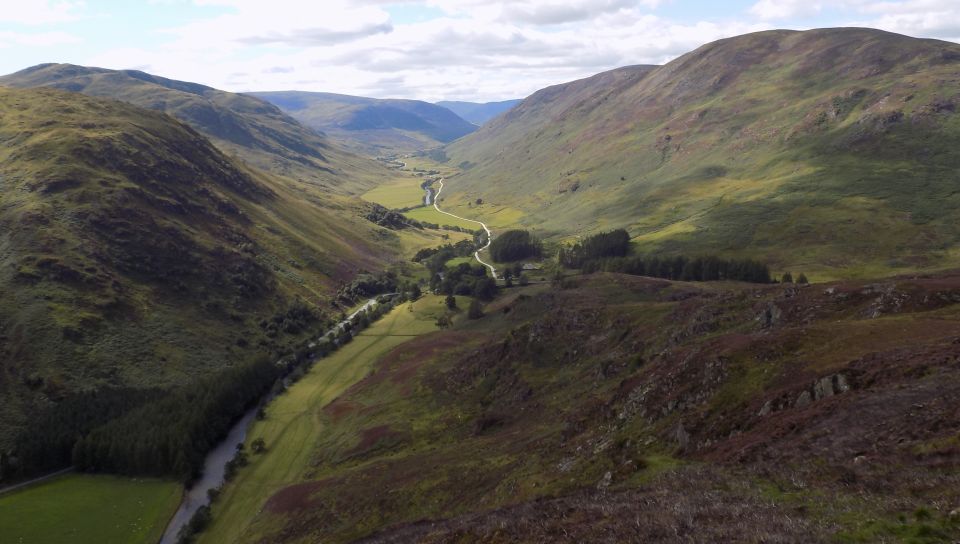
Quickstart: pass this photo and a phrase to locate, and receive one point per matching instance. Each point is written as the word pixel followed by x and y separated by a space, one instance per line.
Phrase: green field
pixel 401 193
pixel 292 427
pixel 431 215
pixel 459 260
pixel 79 508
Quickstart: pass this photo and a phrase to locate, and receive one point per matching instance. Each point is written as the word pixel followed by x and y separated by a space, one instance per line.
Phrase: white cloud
pixel 284 22
pixel 39 39
pixel 480 50
pixel 922 18
pixel 774 10
pixel 472 50
pixel 40 12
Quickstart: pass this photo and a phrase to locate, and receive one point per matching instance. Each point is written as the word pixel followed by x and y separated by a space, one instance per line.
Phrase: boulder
pixel 605 481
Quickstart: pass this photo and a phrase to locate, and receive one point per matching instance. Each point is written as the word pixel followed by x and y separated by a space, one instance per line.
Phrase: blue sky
pixel 432 49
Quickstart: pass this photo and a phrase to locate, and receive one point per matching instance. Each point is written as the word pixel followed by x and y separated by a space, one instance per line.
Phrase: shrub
pixel 475 311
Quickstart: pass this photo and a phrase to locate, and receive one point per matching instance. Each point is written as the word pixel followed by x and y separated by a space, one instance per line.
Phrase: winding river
pixel 213 469
pixel 215 465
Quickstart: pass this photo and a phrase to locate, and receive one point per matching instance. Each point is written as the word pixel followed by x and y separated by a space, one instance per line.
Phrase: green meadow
pixel 429 214
pixel 81 508
pixel 401 193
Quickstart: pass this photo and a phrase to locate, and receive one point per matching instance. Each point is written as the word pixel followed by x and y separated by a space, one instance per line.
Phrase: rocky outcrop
pixel 823 388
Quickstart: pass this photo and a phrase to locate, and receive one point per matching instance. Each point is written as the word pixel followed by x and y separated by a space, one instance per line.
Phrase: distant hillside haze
pixel 240 124
pixel 833 149
pixel 479 113
pixel 373 125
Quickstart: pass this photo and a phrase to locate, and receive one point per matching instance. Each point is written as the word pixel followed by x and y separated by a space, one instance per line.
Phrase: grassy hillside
pixel 623 409
pixel 479 113
pixel 377 127
pixel 828 150
pixel 135 254
pixel 241 125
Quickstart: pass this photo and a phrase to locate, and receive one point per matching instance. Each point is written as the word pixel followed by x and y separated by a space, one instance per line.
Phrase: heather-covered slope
pixel 239 124
pixel 134 253
pixel 627 409
pixel 370 125
pixel 829 150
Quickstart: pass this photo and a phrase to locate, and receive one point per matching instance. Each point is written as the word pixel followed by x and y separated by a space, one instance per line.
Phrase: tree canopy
pixel 515 245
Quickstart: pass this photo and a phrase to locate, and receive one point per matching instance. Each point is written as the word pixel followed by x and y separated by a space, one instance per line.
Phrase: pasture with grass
pixel 89 509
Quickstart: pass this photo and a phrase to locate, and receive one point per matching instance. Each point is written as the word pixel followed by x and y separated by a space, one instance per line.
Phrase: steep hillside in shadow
pixel 134 253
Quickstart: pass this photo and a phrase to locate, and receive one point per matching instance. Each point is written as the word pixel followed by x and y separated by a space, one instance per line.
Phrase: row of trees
pixel 515 245
pixel 788 278
pixel 684 269
pixel 172 435
pixel 368 285
pixel 48 443
pixel 615 243
pixel 168 433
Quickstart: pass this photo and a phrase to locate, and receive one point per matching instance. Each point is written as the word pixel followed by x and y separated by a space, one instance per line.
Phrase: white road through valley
pixel 436 198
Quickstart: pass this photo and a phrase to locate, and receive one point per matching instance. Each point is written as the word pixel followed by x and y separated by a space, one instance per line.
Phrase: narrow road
pixel 436 198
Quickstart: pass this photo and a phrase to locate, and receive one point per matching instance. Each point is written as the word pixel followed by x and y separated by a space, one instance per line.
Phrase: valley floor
pixel 293 426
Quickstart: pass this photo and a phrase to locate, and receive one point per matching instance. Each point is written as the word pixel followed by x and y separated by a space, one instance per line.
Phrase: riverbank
pixel 214 468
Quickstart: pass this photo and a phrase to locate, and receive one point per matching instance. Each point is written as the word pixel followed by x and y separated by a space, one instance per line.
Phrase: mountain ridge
pixel 241 124
pixel 709 151
pixel 476 112
pixel 378 126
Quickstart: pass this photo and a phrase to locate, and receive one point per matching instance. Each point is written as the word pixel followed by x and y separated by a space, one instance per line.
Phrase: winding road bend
pixel 436 198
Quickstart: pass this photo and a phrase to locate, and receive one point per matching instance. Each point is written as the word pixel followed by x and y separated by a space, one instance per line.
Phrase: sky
pixel 473 50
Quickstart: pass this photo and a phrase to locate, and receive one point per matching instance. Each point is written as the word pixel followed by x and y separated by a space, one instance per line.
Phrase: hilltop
pixel 833 151
pixel 241 125
pixel 479 113
pixel 371 125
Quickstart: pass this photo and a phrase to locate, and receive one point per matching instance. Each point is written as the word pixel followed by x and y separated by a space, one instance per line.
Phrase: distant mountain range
pixel 832 150
pixel 372 125
pixel 479 113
